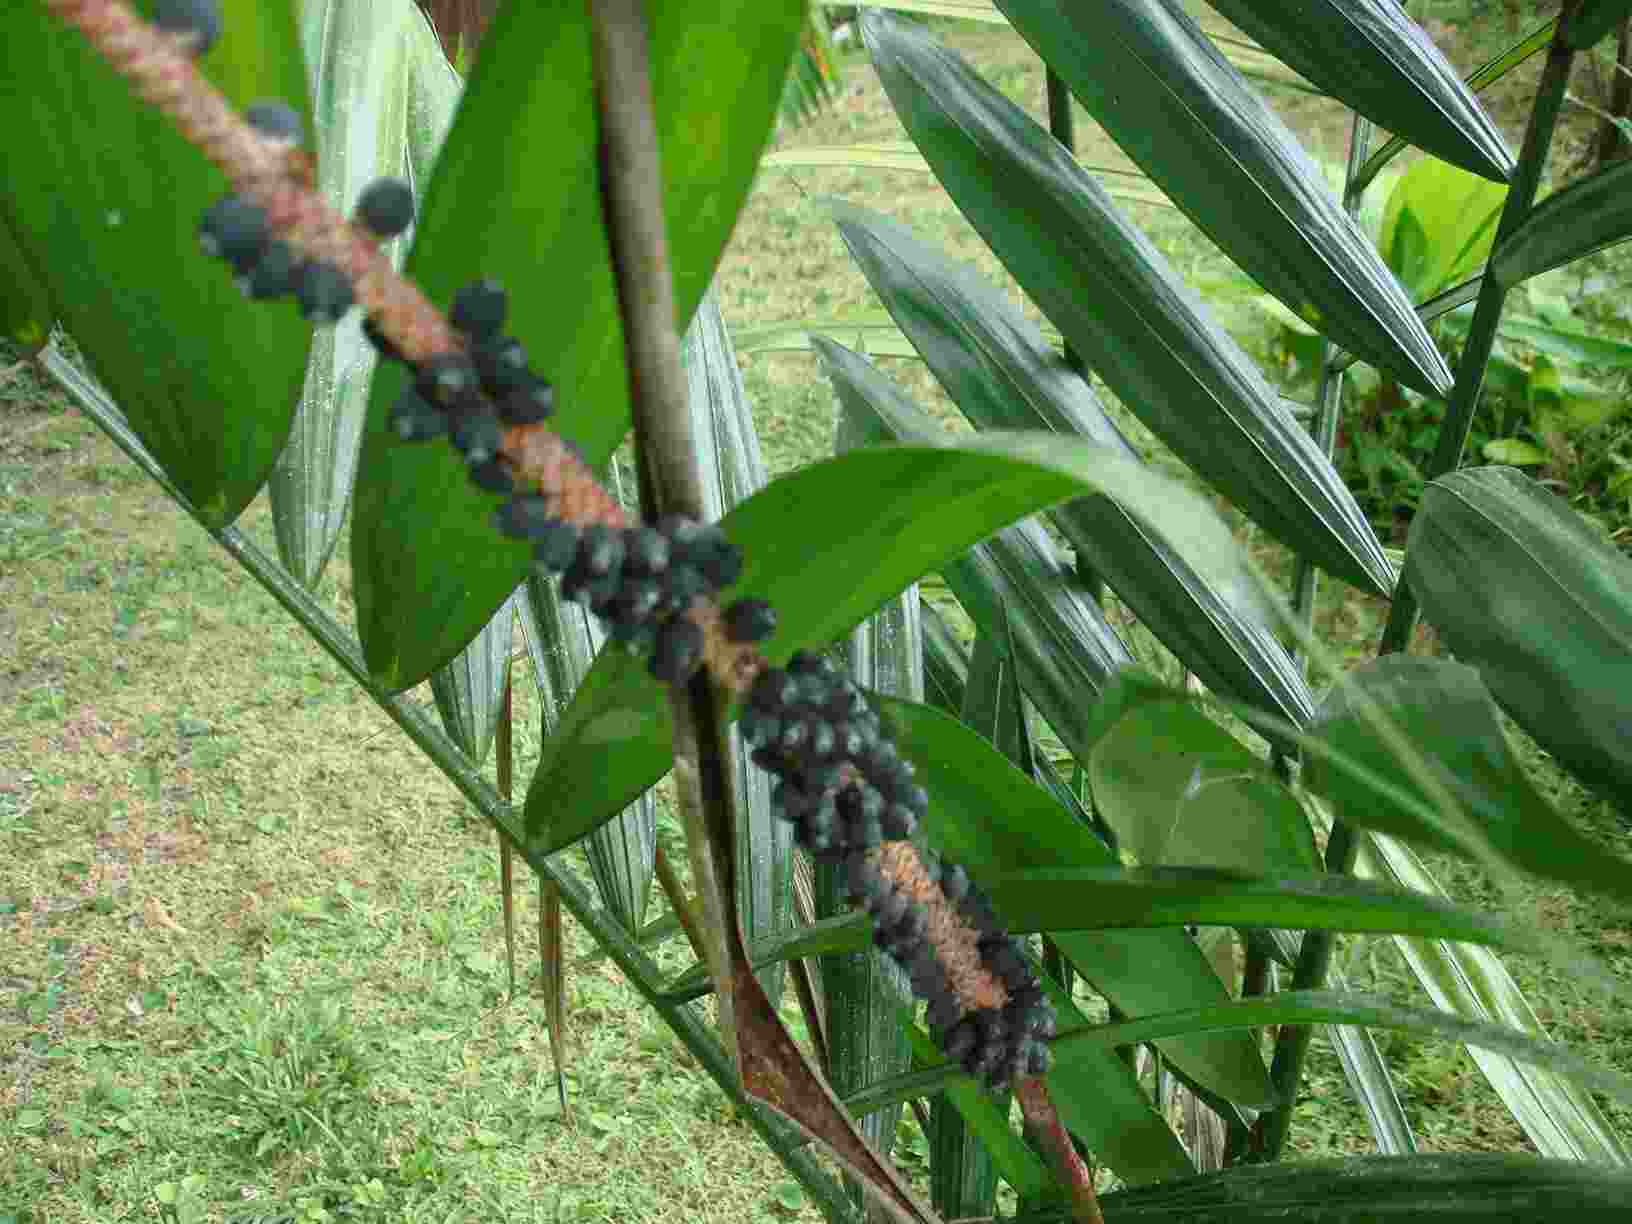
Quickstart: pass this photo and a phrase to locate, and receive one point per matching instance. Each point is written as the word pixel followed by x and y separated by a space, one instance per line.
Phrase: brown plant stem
pixel 681 904
pixel 1074 1175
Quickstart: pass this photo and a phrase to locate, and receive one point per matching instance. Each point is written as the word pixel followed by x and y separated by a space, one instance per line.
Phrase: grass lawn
pixel 250 954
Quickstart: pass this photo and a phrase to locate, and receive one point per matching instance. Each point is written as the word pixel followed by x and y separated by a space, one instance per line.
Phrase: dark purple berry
pixel 898 823
pixel 678 650
pixel 479 309
pixel 527 404
pixel 960 1040
pixel 276 120
pixel 681 585
pixel 916 798
pixel 493 475
pixel 795 733
pixel 1038 1058
pixel 200 18
pixel 235 230
pixel 555 546
pixel 414 420
pixel 647 550
pixel 601 550
pixel 758 728
pixel 1004 961
pixel 524 517
pixel 943 1011
pixel 821 740
pixel 637 601
pixel 447 379
pixel 323 291
pixel 273 276
pixel 477 436
pixel 773 690
pixel 502 364
pixel 750 620
pixel 955 883
pixel 386 207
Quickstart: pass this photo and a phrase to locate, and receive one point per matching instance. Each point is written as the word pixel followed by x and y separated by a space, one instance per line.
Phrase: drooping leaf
pixel 469 688
pixel 362 60
pixel 1593 20
pixel 985 814
pixel 1180 109
pixel 1455 1188
pixel 1113 297
pixel 1521 587
pixel 1588 215
pixel 1559 1116
pixel 205 380
pixel 495 208
pixel 1002 373
pixel 1114 898
pixel 1443 712
pixel 888 515
pixel 1371 55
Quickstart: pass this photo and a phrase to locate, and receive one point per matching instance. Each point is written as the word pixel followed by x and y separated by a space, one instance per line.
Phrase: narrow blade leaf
pixel 1588 215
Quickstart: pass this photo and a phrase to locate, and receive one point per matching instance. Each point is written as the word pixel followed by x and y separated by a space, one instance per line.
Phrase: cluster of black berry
pixel 844 786
pixel 470 395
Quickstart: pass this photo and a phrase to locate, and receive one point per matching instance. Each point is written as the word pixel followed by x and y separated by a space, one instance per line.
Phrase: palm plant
pixel 1210 832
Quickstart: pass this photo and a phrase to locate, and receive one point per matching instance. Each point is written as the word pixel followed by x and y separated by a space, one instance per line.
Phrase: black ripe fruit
pixel 678 650
pixel 274 275
pixel 235 230
pixel 478 437
pixel 750 620
pixel 323 291
pixel 524 518
pixel 415 420
pixel 529 403
pixel 275 120
pixel 555 545
pixel 200 18
pixel 386 207
pixel 447 379
pixel 492 475
pixel 648 551
pixel 479 309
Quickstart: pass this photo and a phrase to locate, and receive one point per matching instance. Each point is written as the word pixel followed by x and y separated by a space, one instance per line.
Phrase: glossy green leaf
pixel 1559 1116
pixel 1002 373
pixel 1515 452
pixel 987 815
pixel 363 59
pixel 1330 1007
pixel 1455 1188
pixel 1588 215
pixel 888 515
pixel 26 313
pixel 1438 226
pixel 207 381
pixel 496 208
pixel 1444 712
pixel 1112 897
pixel 1371 55
pixel 1593 20
pixel 1521 587
pixel 562 639
pixel 1185 115
pixel 1180 790
pixel 469 688
pixel 1553 340
pixel 1114 298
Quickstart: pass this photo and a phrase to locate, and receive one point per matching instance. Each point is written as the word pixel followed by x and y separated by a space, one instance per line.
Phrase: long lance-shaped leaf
pixel 1445 713
pixel 1183 112
pixel 562 639
pixel 1370 1082
pixel 1593 19
pixel 362 59
pixel 1588 215
pixel 1456 1188
pixel 1523 589
pixel 469 688
pixel 208 386
pixel 1002 373
pixel 727 450
pixel 865 991
pixel 993 819
pixel 494 208
pixel 1559 1116
pixel 1113 297
pixel 888 515
pixel 1064 646
pixel 1371 55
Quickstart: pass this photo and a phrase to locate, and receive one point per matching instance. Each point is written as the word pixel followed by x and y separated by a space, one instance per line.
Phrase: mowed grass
pixel 250 954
